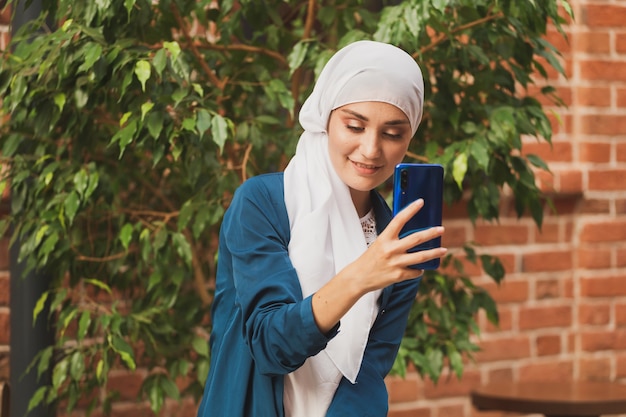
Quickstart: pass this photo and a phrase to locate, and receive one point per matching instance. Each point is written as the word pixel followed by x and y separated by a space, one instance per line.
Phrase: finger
pixel 397 223
pixel 414 258
pixel 422 236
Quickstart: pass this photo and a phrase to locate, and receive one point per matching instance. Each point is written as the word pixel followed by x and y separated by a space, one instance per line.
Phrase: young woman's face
pixel 365 142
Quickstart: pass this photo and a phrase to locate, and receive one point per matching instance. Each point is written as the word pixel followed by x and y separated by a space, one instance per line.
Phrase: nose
pixel 370 146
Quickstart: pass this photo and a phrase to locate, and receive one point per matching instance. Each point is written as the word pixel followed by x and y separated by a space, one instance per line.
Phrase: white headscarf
pixel 326 233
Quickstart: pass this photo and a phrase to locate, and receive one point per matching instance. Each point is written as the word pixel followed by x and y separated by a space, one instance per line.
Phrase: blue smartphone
pixel 413 181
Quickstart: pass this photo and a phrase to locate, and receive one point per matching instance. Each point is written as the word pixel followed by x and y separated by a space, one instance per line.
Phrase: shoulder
pixel 263 194
pixel 265 185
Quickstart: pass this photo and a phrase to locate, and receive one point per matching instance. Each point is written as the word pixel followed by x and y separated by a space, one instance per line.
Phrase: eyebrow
pixel 365 119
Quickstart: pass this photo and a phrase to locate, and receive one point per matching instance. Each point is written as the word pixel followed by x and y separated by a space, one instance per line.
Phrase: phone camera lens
pixel 404 179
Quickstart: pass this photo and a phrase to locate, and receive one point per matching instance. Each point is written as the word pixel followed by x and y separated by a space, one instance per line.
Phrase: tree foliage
pixel 128 125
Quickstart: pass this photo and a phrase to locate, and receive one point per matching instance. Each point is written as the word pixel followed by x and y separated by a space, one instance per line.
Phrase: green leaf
pixel 200 345
pixel 142 71
pixel 77 366
pixel 126 234
pixel 100 371
pixel 59 373
pixel 59 100
pixel 182 246
pixel 39 305
pixel 83 325
pixel 459 168
pixel 92 54
pixel 145 108
pixel 155 124
pixel 296 56
pixel 203 121
pixel 123 349
pixel 99 284
pixel 219 129
pixel 186 211
pixel 173 48
pixel 159 61
pixel 72 202
pixel 37 398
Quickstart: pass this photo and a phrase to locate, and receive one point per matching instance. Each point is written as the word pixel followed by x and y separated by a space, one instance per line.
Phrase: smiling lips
pixel 364 168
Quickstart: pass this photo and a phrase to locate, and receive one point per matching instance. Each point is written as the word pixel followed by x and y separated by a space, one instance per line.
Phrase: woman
pixel 312 295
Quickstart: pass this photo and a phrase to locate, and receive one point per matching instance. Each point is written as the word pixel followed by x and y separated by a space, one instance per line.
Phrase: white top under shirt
pixel 309 390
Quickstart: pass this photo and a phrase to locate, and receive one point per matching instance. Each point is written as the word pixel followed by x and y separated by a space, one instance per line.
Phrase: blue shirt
pixel 264 329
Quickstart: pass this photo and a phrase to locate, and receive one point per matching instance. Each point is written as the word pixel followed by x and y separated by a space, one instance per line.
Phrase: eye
pixel 353 128
pixel 393 135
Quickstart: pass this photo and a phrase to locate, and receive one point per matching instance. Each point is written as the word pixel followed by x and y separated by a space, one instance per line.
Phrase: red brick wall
pixel 563 302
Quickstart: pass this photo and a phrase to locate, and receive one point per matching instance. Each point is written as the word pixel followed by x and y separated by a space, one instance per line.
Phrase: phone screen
pixel 414 181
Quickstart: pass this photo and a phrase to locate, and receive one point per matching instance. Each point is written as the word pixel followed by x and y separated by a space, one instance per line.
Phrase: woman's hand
pixel 385 262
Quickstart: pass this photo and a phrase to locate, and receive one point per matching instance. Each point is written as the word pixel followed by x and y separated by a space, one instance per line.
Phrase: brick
pixel 621 96
pixel 457 210
pixel 548 260
pixel 620 43
pixel 503 348
pixel 547 289
pixel 505 320
pixel 595 206
pixel 549 233
pixel 450 410
pixel 593 42
pixel 500 375
pixel 592 257
pixel 620 365
pixel 595 369
pixel 610 286
pixel 451 386
pixel 455 236
pixel 602 70
pixel 417 411
pixel 603 15
pixel 5 326
pixel 5 13
pixel 560 42
pixel 491 235
pixel 594 314
pixel 570 181
pixel 547 345
pixel 5 285
pixel 620 315
pixel 602 340
pixel 556 152
pixel 603 231
pixel 4 254
pixel 599 124
pixel 563 95
pixel 128 384
pixel 546 371
pixel 403 389
pixel 607 180
pixel 621 258
pixel 566 204
pixel 508 291
pixel 593 96
pixel 561 124
pixel 620 152
pixel 545 317
pixel 595 152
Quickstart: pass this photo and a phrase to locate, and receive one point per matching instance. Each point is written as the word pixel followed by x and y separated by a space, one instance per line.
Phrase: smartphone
pixel 413 181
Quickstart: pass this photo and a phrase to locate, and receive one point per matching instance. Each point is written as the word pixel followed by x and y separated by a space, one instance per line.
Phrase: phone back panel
pixel 413 181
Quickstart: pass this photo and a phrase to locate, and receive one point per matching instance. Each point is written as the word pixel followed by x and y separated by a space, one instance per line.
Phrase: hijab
pixel 326 234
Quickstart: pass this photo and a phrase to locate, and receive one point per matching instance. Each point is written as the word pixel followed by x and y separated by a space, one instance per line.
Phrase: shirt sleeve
pixel 368 396
pixel 278 324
